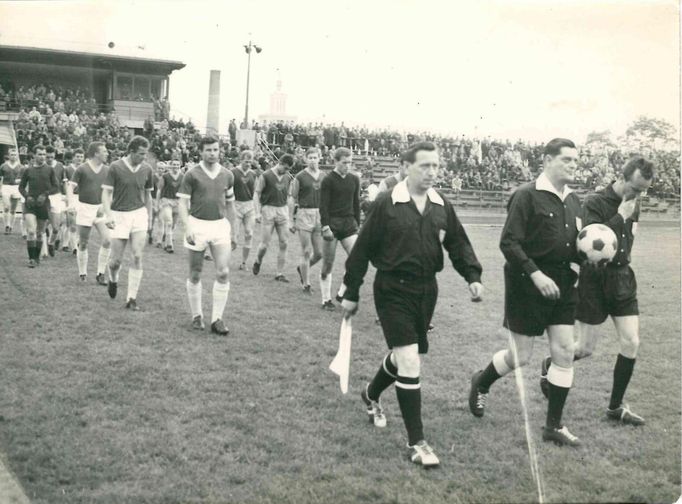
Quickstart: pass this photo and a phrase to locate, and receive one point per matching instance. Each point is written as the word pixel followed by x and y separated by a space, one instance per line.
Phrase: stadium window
pixel 141 89
pixel 124 87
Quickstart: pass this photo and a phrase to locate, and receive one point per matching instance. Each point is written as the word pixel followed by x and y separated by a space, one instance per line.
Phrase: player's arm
pixel 107 197
pixel 184 194
pixel 260 183
pixel 231 213
pixel 293 203
pixel 369 238
pixel 325 197
pixel 356 201
pixel 513 235
pixel 461 252
pixel 159 188
pixel 23 183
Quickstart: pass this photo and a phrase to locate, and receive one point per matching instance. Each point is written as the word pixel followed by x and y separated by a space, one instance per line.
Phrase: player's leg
pixel 82 254
pixel 194 287
pixel 118 246
pixel 166 218
pixel 248 223
pixel 517 353
pixel 627 328
pixel 347 244
pixel 32 239
pixel 560 379
pixel 104 250
pixel 55 221
pixel 137 243
pixel 316 242
pixel 14 204
pixel 282 228
pixel 22 221
pixel 221 285
pixel 303 268
pixel 6 205
pixel 328 256
pixel 267 228
pixel 170 238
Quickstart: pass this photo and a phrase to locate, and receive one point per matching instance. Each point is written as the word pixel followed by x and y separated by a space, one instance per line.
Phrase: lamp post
pixel 248 49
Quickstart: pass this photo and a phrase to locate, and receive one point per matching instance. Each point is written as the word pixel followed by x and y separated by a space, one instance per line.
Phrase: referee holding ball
pixel 404 236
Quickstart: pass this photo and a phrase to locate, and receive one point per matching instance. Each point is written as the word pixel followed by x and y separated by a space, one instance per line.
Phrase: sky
pixel 524 69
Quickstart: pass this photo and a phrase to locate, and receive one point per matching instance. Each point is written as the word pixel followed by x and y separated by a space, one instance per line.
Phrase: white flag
pixel 341 363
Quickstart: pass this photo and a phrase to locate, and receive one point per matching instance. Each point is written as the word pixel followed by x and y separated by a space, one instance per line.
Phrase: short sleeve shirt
pixel 128 184
pixel 89 183
pixel 11 175
pixel 207 192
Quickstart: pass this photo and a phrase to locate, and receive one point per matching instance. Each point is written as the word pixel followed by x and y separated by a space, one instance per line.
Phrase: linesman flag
pixel 341 363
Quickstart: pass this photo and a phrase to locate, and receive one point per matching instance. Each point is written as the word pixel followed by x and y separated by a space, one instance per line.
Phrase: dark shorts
pixel 527 311
pixel 405 306
pixel 42 212
pixel 343 227
pixel 606 291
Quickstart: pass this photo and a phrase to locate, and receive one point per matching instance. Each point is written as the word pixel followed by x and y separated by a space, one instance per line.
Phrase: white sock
pixel 73 239
pixel 82 259
pixel 194 296
pixel 326 287
pixel 220 293
pixel 102 259
pixel 560 376
pixel 113 276
pixel 500 364
pixel 134 279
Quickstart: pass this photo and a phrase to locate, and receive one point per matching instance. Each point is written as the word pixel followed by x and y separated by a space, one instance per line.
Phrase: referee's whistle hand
pixel 476 290
pixel 545 285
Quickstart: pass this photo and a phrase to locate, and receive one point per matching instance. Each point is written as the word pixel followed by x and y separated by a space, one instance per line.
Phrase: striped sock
pixel 409 395
pixel 384 378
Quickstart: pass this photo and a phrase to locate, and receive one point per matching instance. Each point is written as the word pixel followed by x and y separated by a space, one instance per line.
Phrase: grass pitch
pixel 98 404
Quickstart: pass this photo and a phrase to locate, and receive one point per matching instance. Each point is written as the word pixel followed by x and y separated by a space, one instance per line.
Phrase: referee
pixel 539 242
pixel 403 236
pixel 613 290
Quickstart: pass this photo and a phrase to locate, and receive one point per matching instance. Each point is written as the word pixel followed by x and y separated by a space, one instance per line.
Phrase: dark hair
pixel 312 150
pixel 410 155
pixel 403 157
pixel 287 159
pixel 78 151
pixel 555 145
pixel 137 142
pixel 207 140
pixel 37 148
pixel 646 168
pixel 341 152
pixel 246 153
pixel 49 150
pixel 93 147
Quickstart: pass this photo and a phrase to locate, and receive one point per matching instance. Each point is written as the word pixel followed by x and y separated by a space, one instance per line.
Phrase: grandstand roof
pixel 86 59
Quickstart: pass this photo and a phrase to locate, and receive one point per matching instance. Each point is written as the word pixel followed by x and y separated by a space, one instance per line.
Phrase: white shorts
pixel 88 215
pixel 209 232
pixel 243 209
pixel 10 192
pixel 279 216
pixel 57 203
pixel 129 222
pixel 308 219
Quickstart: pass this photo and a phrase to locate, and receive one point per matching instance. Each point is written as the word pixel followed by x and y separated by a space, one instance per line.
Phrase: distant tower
pixel 278 105
pixel 213 113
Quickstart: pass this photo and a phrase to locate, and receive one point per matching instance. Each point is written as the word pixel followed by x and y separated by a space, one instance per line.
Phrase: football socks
pixel 409 395
pixel 326 287
pixel 560 380
pixel 496 369
pixel 82 259
pixel 621 377
pixel 220 294
pixel 194 296
pixel 384 378
pixel 134 279
pixel 102 260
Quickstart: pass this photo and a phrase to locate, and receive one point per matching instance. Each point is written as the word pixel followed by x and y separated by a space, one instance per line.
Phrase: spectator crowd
pixel 70 118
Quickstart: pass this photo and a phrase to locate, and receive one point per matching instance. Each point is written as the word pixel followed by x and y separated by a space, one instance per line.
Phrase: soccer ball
pixel 597 244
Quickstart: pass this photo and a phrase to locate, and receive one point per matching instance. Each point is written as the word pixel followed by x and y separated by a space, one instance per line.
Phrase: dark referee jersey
pixel 38 180
pixel 397 239
pixel 602 207
pixel 541 229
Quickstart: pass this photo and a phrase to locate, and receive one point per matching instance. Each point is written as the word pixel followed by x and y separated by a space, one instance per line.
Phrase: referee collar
pixel 543 184
pixel 400 194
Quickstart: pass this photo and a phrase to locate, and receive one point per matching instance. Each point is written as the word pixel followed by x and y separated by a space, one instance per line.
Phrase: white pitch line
pixel 10 489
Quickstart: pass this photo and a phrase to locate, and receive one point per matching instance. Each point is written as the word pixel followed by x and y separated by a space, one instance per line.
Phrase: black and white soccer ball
pixel 597 244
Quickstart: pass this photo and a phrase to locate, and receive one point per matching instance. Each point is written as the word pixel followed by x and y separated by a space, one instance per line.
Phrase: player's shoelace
pixel 377 409
pixel 569 436
pixel 625 411
pixel 481 398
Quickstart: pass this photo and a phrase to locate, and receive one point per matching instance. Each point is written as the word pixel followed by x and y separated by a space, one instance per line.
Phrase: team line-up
pixel 407 227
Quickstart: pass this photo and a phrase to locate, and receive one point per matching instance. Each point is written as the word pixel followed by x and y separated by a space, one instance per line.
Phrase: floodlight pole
pixel 248 49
